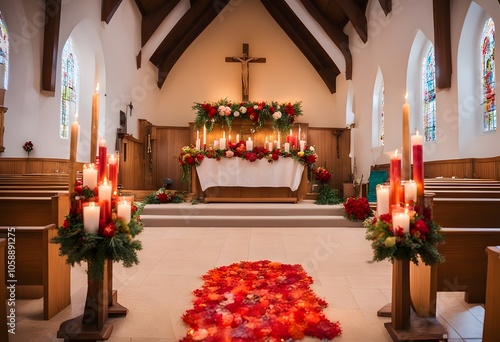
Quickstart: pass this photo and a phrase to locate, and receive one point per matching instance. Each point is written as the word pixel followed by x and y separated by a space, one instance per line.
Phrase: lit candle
pixel 91 218
pixel 418 169
pixel 237 138
pixel 270 145
pixel 216 144
pixel 94 123
pixel 406 140
pixel 72 154
pixel 105 200
pixel 382 199
pixel 302 145
pixel 197 135
pixel 279 140
pixel 287 147
pixel 124 210
pixel 204 135
pixel 222 141
pixel 197 144
pixel 402 220
pixel 229 139
pixel 89 176
pixel 299 133
pixel 102 160
pixel 249 144
pixel 395 179
pixel 113 173
pixel 410 192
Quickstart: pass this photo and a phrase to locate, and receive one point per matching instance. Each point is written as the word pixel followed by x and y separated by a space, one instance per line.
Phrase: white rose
pixel 236 114
pixel 311 148
pixel 277 115
pixel 255 107
pixel 243 110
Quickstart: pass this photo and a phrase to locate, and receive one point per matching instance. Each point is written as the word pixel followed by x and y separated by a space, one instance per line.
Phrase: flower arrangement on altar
pixel 357 208
pixel 28 147
pixel 391 241
pixel 163 196
pixel 257 301
pixel 190 156
pixel 223 112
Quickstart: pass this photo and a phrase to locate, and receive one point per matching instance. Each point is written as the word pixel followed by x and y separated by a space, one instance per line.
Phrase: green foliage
pixel 327 196
pixel 163 196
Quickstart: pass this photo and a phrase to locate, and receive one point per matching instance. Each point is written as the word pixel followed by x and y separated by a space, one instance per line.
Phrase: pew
pixel 40 270
pixel 491 329
pixel 34 210
pixel 467 212
pixel 4 335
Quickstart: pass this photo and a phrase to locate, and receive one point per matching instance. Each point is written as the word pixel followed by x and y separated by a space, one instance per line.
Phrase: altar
pixel 238 180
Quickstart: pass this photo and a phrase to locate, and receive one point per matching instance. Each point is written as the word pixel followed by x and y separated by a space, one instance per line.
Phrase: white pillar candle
pixel 382 199
pixel 278 142
pixel 249 144
pixel 410 192
pixel 124 210
pixel 270 146
pixel 300 136
pixel 302 145
pixel 205 135
pixel 287 147
pixel 222 143
pixel 237 138
pixel 89 176
pixel 91 218
pixel 401 219
pixel 216 144
pixel 197 135
pixel 197 144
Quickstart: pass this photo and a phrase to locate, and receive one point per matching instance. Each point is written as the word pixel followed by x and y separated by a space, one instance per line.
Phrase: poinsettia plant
pixel 420 242
pixel 163 196
pixel 224 112
pixel 357 208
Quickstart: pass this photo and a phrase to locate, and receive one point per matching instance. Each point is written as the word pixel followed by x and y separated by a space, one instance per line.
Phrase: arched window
pixel 381 100
pixel 488 76
pixel 4 54
pixel 429 95
pixel 69 87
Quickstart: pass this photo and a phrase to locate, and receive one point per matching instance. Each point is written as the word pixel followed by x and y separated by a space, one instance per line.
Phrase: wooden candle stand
pixel 91 325
pixel 114 308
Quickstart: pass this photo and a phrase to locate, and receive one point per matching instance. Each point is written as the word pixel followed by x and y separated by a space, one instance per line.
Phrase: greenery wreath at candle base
pixel 421 242
pixel 114 239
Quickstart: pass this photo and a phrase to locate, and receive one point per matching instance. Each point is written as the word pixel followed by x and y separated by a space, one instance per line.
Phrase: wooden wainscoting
pixel 132 163
pixel 35 165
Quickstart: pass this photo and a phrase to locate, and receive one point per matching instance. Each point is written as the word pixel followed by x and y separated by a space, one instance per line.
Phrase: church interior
pixel 233 108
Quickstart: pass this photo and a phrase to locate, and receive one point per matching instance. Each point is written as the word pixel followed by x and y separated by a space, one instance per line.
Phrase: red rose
pixel 190 160
pixel 163 197
pixel 275 156
pixel 109 230
pixel 199 157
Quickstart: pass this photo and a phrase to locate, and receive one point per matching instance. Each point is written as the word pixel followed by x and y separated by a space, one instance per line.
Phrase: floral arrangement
pixel 28 147
pixel 389 242
pixel 357 208
pixel 114 240
pixel 189 156
pixel 163 196
pixel 257 301
pixel 223 112
pixel 322 175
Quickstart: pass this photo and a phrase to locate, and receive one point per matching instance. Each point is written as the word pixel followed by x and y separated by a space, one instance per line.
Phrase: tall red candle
pixel 113 173
pixel 418 169
pixel 395 180
pixel 102 160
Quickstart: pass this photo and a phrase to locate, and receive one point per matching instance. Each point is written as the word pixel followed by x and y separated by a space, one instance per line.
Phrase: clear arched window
pixel 488 76
pixel 4 54
pixel 381 100
pixel 429 95
pixel 69 87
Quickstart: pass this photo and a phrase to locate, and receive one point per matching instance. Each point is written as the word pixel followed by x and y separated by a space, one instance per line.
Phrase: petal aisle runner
pixel 257 301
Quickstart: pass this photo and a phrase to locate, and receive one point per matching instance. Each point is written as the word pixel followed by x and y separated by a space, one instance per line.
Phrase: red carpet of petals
pixel 257 301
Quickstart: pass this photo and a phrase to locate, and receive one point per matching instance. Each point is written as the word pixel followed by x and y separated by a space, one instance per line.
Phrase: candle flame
pixel 406 97
pixel 396 153
pixel 76 117
pixel 105 182
pixel 416 132
pixel 92 205
pixel 97 88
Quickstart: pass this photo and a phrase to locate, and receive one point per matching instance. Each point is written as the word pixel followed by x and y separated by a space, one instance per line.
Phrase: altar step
pixel 302 214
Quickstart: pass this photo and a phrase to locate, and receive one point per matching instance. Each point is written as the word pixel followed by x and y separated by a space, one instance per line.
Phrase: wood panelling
pixel 131 170
pixel 35 165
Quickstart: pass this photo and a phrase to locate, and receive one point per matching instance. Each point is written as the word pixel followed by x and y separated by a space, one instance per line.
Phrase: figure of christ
pixel 244 60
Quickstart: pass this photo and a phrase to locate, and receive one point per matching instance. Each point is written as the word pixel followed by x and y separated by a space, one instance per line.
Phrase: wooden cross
pixel 244 60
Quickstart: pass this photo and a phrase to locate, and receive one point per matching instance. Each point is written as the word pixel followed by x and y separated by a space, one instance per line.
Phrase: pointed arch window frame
pixel 488 84
pixel 4 52
pixel 69 87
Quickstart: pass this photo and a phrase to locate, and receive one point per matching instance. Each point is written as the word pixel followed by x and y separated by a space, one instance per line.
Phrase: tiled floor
pixel 158 290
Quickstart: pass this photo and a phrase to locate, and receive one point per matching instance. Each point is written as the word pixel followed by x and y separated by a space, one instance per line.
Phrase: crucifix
pixel 244 60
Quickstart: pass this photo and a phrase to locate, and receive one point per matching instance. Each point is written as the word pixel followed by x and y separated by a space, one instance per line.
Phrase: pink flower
pixel 229 154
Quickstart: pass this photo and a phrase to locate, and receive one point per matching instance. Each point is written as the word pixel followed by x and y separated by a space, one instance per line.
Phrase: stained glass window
pixel 429 95
pixel 381 113
pixel 69 87
pixel 488 76
pixel 4 53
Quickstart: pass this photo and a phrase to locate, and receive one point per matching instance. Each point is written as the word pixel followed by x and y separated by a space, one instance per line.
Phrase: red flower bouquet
pixel 257 301
pixel 357 208
pixel 323 175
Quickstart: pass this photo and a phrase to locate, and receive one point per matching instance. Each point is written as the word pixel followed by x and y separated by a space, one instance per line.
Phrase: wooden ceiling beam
pixel 357 18
pixel 50 45
pixel 108 9
pixel 151 21
pixel 304 40
pixel 338 37
pixel 386 6
pixel 442 43
pixel 192 23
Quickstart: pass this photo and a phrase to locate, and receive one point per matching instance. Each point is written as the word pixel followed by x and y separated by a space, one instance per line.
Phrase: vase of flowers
pixel 28 147
pixel 325 194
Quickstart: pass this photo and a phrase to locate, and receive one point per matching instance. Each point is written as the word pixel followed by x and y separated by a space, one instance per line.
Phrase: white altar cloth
pixel 284 172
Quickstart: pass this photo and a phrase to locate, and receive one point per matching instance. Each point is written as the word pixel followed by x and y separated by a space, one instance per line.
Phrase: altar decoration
pixel 357 208
pixel 163 196
pixel 110 239
pixel 190 156
pixel 257 301
pixel 224 112
pixel 28 147
pixel 392 241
